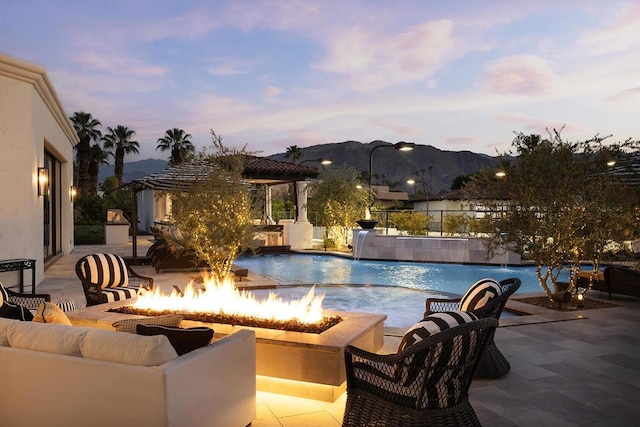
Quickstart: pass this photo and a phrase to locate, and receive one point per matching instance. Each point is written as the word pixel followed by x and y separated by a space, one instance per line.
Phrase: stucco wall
pixel 31 119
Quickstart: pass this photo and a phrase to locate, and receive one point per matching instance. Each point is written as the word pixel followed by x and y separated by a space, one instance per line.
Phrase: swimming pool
pixel 397 289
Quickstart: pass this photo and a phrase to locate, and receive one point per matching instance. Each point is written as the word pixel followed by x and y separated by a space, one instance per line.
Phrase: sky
pixel 266 75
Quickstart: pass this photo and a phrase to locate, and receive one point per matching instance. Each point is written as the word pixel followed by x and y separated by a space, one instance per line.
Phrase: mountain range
pixel 429 166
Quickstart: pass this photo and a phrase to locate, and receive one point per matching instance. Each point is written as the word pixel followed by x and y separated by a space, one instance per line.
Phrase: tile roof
pixel 257 170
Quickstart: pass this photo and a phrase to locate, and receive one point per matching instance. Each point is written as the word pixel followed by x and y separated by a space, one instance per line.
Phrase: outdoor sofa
pixel 59 375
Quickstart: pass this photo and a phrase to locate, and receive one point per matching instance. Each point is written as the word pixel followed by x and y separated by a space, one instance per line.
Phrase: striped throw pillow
pixel 106 270
pixel 479 294
pixel 433 324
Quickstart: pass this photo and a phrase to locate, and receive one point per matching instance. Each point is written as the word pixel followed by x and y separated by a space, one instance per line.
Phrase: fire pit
pixel 287 362
pixel 222 302
pixel 256 322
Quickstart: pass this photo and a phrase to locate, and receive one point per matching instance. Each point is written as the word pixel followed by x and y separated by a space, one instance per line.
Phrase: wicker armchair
pixel 29 301
pixel 621 280
pixel 394 390
pixel 492 364
pixel 106 278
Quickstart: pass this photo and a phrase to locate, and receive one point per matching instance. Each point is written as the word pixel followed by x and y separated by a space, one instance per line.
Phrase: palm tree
pixel 98 157
pixel 119 140
pixel 294 152
pixel 87 129
pixel 176 141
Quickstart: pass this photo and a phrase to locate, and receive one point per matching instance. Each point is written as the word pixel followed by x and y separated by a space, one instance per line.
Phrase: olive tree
pixel 558 203
pixel 213 208
pixel 337 202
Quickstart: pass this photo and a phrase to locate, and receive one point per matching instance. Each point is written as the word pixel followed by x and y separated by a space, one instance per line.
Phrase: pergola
pixel 257 171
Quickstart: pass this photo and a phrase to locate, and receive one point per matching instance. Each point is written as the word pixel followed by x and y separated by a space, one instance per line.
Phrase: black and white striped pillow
pixel 479 294
pixel 413 369
pixel 106 270
pixel 433 324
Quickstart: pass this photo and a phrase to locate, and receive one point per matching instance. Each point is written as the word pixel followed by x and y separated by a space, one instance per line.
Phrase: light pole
pixel 400 146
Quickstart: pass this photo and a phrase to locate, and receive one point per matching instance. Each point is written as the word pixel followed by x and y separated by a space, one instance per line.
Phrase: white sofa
pixel 49 379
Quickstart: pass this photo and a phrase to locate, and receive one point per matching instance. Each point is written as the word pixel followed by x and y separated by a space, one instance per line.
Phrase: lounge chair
pixel 621 280
pixel 492 364
pixel 424 384
pixel 106 278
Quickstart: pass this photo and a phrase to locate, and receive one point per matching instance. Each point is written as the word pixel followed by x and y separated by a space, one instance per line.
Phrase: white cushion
pixel 479 294
pixel 4 326
pixel 50 338
pixel 101 344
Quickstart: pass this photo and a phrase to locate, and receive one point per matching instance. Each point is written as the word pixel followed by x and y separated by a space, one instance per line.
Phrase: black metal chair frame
pixel 93 291
pixel 378 396
pixel 492 364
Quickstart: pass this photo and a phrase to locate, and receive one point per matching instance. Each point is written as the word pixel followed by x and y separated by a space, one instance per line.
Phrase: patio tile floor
pixel 567 369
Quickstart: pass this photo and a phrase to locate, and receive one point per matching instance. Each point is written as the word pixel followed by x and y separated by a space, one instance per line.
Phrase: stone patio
pixel 567 369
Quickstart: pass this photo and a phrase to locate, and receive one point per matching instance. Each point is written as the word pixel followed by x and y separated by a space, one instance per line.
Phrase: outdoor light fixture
pixel 43 181
pixel 73 193
pixel 611 163
pixel 501 174
pixel 400 146
pixel 323 161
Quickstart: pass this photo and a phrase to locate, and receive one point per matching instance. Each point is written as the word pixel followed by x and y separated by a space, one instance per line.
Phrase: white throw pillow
pixel 101 344
pixel 49 312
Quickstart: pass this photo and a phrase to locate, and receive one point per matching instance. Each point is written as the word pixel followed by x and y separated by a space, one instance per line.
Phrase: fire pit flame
pixel 226 299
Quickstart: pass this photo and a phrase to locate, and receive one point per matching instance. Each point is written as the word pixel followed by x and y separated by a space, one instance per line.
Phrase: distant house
pixel 449 203
pixel 37 140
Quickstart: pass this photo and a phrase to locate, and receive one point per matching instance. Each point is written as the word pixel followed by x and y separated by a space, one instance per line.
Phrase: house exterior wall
pixel 31 120
pixel 153 207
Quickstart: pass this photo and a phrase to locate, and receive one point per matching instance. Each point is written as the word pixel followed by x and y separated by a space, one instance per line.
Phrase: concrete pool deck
pixel 567 369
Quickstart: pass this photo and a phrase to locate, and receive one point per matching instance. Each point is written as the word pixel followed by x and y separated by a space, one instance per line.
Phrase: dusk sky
pixel 458 75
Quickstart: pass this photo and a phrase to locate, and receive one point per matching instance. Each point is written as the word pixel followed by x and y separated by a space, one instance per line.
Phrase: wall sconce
pixel 43 181
pixel 73 193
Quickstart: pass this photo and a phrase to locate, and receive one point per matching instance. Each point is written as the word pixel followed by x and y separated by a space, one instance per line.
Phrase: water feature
pixel 397 289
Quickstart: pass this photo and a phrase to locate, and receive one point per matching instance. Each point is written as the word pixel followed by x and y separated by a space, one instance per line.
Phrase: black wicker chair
pixel 394 390
pixel 621 280
pixel 29 301
pixel 98 279
pixel 492 364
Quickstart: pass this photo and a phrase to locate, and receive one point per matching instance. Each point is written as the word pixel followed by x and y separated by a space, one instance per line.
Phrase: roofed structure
pixel 257 170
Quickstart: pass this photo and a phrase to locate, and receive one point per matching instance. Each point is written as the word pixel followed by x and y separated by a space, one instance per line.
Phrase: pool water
pixel 397 289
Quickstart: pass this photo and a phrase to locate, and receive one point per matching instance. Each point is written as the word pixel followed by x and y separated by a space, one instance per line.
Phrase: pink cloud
pixel 527 75
pixel 371 61
pixel 271 91
pixel 618 34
